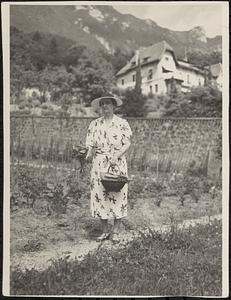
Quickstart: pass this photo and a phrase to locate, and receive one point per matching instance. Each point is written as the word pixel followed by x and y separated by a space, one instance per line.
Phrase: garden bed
pixel 50 210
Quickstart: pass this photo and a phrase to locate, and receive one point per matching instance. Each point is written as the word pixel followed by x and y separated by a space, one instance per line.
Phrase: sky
pixel 179 16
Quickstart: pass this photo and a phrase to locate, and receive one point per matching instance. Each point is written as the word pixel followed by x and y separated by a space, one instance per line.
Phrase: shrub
pixel 48 113
pixel 36 103
pixel 32 246
pixel 57 198
pixel 133 104
pixel 28 184
pixel 21 106
pixel 44 106
pixel 201 101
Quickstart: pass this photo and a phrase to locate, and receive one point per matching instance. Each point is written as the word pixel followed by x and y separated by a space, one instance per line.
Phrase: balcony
pixel 173 75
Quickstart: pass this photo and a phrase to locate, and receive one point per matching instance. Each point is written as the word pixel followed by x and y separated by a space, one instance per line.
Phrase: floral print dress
pixel 107 139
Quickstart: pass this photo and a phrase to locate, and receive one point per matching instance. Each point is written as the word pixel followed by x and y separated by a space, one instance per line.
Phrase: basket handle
pixel 113 165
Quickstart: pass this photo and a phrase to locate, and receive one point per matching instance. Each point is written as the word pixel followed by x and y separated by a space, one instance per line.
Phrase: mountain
pixel 104 27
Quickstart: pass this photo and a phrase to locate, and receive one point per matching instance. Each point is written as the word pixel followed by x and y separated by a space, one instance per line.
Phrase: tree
pixel 134 101
pixel 118 59
pixel 138 77
pixel 201 59
pixel 20 79
pixel 133 104
pixel 73 55
pixel 53 55
pixel 56 82
pixel 94 75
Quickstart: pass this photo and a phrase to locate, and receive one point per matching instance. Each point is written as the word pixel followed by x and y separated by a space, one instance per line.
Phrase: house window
pixel 188 81
pixel 134 77
pixel 122 81
pixel 150 89
pixel 150 74
pixel 166 58
pixel 199 82
pixel 156 88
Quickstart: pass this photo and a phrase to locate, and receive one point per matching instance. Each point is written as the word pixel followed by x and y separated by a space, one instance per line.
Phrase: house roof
pixel 152 54
pixel 216 69
pixel 186 65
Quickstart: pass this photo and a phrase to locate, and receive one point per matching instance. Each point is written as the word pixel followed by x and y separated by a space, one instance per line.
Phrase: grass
pixel 180 262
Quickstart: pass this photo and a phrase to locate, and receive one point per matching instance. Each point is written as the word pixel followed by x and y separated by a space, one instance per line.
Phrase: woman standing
pixel 108 139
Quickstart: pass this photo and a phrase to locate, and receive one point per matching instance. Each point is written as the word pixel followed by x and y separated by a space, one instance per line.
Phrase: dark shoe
pixel 103 236
pixel 114 237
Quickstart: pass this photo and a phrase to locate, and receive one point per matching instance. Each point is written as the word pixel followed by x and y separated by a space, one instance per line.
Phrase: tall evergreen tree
pixel 138 75
pixel 134 100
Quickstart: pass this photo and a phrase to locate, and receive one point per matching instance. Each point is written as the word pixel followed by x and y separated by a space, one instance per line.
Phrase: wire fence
pixel 157 145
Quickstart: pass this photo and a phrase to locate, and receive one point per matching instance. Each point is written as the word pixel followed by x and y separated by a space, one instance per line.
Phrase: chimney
pixel 137 57
pixel 185 54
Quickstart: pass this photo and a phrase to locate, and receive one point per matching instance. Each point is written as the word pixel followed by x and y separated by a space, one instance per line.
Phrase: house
pixel 160 69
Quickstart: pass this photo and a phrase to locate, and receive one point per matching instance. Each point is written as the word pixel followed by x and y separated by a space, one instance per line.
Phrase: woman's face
pixel 107 106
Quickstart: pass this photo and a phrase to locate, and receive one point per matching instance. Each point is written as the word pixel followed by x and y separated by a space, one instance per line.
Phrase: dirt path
pixel 77 250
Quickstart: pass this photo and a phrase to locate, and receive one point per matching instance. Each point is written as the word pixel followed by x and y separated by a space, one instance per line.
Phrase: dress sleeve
pixel 90 135
pixel 126 131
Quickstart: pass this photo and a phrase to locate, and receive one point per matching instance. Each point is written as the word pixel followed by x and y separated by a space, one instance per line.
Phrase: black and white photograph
pixel 116 153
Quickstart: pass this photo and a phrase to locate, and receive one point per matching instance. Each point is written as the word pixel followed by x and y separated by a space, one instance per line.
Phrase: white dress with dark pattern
pixel 107 139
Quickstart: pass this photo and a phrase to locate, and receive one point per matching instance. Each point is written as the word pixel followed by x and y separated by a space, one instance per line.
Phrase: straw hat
pixel 96 102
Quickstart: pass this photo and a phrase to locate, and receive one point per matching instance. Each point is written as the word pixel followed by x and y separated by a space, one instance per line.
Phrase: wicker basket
pixel 113 182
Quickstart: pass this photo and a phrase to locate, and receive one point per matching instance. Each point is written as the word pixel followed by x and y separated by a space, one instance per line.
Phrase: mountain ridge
pixel 103 27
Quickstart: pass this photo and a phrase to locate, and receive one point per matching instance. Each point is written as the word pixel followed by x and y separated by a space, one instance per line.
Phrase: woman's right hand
pixel 89 158
pixel 90 155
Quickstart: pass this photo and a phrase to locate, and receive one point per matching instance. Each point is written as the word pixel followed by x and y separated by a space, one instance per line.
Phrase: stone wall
pixel 157 144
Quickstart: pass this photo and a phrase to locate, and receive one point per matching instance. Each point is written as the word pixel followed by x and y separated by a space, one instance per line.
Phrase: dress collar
pixel 111 122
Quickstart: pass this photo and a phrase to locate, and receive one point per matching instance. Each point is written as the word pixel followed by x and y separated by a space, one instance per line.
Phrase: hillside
pixel 104 27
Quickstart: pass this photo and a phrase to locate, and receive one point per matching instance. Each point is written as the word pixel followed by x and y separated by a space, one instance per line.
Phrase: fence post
pixel 19 146
pixel 157 163
pixel 206 163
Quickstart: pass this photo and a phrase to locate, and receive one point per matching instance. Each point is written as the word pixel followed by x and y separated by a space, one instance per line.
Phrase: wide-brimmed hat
pixel 96 102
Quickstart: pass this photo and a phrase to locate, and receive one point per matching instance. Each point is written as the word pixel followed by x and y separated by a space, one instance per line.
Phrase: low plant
pixel 32 246
pixel 189 183
pixel 28 184
pixel 158 200
pixel 56 198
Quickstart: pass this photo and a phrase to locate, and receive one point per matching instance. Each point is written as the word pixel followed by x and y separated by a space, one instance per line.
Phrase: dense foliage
pixel 133 103
pixel 202 59
pixel 54 65
pixel 199 102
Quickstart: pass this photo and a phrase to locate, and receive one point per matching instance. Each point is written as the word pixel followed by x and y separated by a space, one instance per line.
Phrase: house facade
pixel 159 71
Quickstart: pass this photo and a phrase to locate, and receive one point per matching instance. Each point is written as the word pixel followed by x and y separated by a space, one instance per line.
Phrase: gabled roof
pixel 186 65
pixel 153 53
pixel 216 69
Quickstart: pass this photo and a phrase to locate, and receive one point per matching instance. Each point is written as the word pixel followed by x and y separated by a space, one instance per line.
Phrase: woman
pixel 108 139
